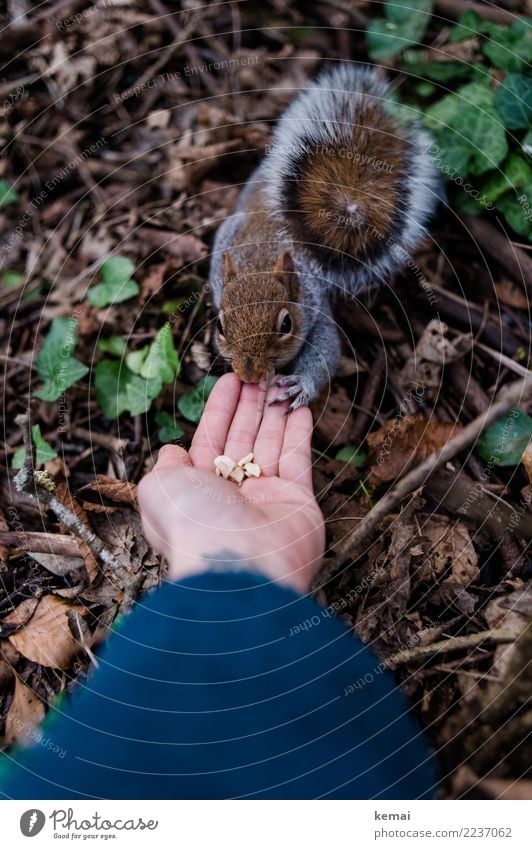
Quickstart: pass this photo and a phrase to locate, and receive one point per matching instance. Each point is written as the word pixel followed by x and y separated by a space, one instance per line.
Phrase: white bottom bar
pixel 261 825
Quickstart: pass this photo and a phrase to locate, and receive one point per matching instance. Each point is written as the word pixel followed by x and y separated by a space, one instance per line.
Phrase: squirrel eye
pixel 285 326
pixel 219 327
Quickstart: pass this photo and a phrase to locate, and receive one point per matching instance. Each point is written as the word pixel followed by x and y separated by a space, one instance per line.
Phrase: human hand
pixel 272 523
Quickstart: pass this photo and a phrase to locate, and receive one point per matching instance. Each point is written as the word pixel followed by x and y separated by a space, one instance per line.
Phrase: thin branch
pixel 497 635
pixel 508 398
pixel 42 491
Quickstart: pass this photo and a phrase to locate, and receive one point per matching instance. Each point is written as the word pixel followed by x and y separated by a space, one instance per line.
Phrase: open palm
pixel 272 523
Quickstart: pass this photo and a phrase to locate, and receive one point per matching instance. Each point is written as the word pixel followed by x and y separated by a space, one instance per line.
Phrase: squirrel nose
pixel 248 370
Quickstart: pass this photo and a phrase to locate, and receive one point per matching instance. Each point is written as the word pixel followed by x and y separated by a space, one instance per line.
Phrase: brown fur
pixel 330 182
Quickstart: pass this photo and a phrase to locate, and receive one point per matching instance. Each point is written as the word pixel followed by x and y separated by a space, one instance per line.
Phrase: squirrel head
pixel 260 324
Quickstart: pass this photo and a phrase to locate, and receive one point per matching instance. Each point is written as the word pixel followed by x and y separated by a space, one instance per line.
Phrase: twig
pixel 508 398
pixel 43 493
pixel 503 359
pixel 40 543
pixel 489 13
pixel 516 262
pixel 498 635
pixel 368 396
pixel 104 440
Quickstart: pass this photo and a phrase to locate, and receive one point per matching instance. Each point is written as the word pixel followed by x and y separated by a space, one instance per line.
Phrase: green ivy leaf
pixel 513 101
pixel 117 389
pixel 104 294
pixel 117 284
pixel 514 174
pixel 353 455
pixel 135 359
pixel 116 270
pixel 55 364
pixel 8 194
pixel 141 392
pixel 110 384
pixel 169 429
pixel 161 361
pixel 517 209
pixel 510 48
pixel 11 279
pixel 404 25
pixel 462 123
pixel 504 441
pixel 115 345
pixel 43 451
pixel 192 404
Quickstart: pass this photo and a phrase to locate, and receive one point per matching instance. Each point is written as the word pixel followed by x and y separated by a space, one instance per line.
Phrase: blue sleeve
pixel 228 686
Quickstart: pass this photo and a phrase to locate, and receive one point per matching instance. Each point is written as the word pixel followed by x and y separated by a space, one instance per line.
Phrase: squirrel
pixel 339 202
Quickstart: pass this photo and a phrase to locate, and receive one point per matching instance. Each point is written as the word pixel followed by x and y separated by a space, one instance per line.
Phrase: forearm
pixel 228 686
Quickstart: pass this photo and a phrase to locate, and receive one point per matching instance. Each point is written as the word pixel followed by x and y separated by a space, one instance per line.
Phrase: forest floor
pixel 128 131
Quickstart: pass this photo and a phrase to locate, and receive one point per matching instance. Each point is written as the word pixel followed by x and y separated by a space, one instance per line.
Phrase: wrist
pixel 181 566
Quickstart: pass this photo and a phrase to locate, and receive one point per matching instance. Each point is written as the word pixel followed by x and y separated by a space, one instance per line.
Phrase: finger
pixel 172 457
pixel 211 434
pixel 269 441
pixel 243 430
pixel 295 462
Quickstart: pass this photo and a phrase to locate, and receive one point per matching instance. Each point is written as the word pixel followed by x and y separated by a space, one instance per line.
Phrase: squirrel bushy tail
pixel 343 172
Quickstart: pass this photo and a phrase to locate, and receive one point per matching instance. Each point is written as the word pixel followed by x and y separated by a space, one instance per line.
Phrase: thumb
pixel 172 457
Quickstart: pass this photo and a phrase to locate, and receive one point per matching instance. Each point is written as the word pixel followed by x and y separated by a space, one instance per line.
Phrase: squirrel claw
pixel 294 390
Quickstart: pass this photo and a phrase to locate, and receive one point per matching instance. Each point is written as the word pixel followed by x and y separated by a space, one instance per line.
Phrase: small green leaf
pixel 43 451
pixel 353 455
pixel 503 442
pixel 517 209
pixel 110 383
pixel 514 174
pixel 513 101
pixel 115 345
pixel 8 194
pixel 162 361
pixel 192 404
pixel 470 24
pixel 462 123
pixel 11 279
pixel 104 294
pixel 116 270
pixel 169 430
pixel 141 392
pixel 55 365
pixel 404 25
pixel 510 48
pixel 135 359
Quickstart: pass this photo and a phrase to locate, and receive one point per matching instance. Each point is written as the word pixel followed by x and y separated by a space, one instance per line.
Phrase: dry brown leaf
pixel 20 615
pixel 513 613
pixel 449 546
pixel 526 460
pixel 25 713
pixel 47 638
pixel 124 492
pixel 511 294
pixel 433 351
pixel 401 442
pixel 333 416
pixel 5 673
pixel 60 564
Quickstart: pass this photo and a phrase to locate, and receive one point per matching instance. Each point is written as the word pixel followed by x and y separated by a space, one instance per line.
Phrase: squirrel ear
pixel 228 268
pixel 284 265
pixel 284 270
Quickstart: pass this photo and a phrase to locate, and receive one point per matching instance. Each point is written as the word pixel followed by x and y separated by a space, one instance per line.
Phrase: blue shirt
pixel 228 686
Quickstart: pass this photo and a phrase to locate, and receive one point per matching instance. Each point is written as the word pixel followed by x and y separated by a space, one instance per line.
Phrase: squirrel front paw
pixel 299 388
